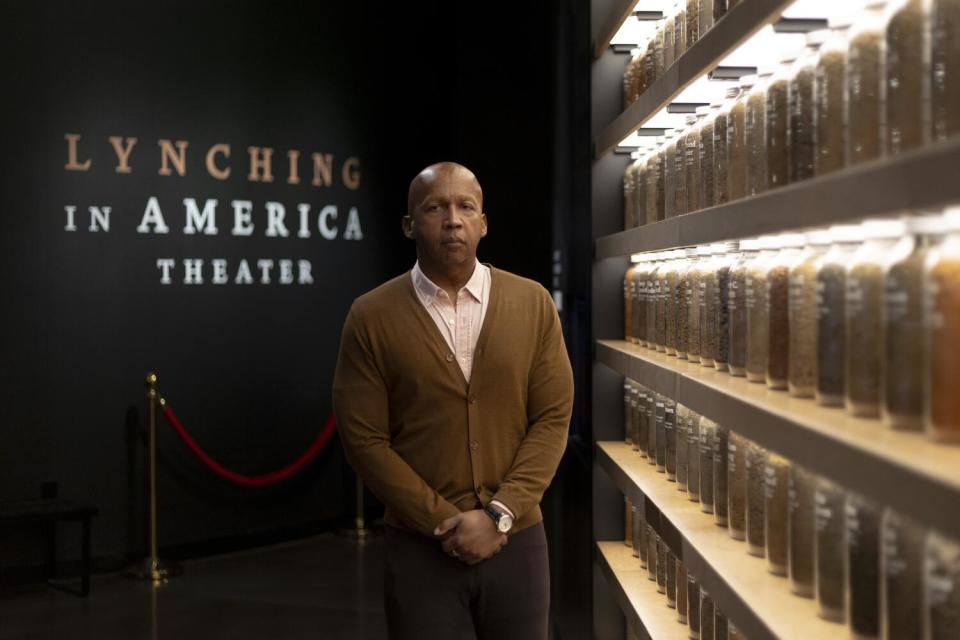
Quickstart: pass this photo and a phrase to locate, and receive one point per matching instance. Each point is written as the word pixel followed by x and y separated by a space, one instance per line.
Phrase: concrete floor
pixel 324 587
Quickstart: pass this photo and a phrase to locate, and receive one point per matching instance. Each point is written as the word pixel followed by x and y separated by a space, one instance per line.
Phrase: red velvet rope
pixel 252 481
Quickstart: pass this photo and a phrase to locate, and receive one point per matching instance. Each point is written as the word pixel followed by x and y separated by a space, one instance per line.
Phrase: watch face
pixel 505 523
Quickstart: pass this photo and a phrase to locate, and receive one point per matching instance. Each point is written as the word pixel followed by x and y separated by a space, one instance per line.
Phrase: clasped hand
pixel 471 537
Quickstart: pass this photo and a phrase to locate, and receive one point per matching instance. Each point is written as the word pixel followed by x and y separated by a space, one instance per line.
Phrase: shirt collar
pixel 428 290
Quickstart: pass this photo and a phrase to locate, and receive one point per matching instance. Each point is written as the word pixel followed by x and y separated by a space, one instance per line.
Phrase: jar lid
pixel 691 119
pixel 883 228
pixel 952 215
pixel 790 240
pixel 928 225
pixel 732 92
pixel 702 111
pixel 818 238
pixel 846 233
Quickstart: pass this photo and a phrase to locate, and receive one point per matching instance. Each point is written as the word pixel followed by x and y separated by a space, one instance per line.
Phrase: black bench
pixel 47 512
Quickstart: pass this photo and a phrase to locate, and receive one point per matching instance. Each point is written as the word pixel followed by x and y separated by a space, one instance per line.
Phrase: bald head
pixel 420 185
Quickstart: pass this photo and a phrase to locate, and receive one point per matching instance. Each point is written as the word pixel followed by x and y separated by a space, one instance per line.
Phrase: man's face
pixel 447 220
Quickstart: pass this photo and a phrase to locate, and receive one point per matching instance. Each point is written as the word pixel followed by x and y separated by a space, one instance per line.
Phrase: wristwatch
pixel 502 521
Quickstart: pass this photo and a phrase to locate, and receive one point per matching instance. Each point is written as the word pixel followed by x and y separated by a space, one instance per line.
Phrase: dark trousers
pixel 429 595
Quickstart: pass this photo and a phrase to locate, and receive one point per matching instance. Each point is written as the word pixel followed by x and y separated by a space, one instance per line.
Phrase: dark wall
pixel 247 367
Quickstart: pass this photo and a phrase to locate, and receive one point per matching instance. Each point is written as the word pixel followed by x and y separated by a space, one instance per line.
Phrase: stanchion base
pixel 159 571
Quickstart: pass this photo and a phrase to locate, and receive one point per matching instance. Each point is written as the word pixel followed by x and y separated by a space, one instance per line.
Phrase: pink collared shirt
pixel 459 321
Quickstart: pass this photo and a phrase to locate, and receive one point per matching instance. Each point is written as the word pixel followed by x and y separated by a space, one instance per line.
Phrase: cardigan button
pixel 449 357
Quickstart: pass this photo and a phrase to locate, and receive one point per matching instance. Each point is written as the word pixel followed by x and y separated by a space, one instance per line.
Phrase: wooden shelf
pixel 922 179
pixel 905 471
pixel 758 602
pixel 741 22
pixel 620 10
pixel 638 596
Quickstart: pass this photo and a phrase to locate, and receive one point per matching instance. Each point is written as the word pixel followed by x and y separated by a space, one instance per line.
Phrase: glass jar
pixel 902 327
pixel 865 86
pixel 726 256
pixel 944 68
pixel 680 173
pixel 635 409
pixel 802 379
pixel 719 9
pixel 670 436
pixel 864 304
pixel 831 319
pixel 652 537
pixel 643 424
pixel 693 22
pixel 830 551
pixel 629 406
pixel 693 607
pixel 629 79
pixel 669 174
pixel 638 523
pixel 652 297
pixel 775 506
pixel 756 134
pixel 659 54
pixel 737 486
pixel 693 303
pixel 942 303
pixel 681 592
pixel 682 418
pixel 720 624
pixel 756 490
pixel 671 286
pixel 685 273
pixel 707 182
pixel 942 579
pixel 671 579
pixel 707 614
pixel 629 221
pixel 679 28
pixel 721 124
pixel 803 109
pixel 737 141
pixel 661 184
pixel 800 517
pixel 692 164
pixel 693 457
pixel 737 307
pixel 653 428
pixel 907 76
pixel 640 187
pixel 708 432
pixel 660 433
pixel 778 123
pixel 654 185
pixel 863 549
pixel 901 599
pixel 778 309
pixel 706 16
pixel 831 96
pixel 664 295
pixel 661 565
pixel 639 301
pixel 669 40
pixel 709 301
pixel 628 522
pixel 640 536
pixel 628 303
pixel 757 318
pixel 721 441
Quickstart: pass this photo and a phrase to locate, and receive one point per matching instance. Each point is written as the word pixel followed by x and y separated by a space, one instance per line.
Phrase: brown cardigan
pixel 428 444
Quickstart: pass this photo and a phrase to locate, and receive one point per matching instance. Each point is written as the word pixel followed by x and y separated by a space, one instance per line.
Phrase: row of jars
pixel 885 83
pixel 679 30
pixel 863 316
pixel 694 606
pixel 866 565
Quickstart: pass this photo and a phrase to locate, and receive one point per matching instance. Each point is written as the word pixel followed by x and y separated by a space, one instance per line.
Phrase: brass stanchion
pixel 360 531
pixel 152 567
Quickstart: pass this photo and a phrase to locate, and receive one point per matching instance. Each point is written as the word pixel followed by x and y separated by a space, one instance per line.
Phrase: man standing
pixel 453 394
